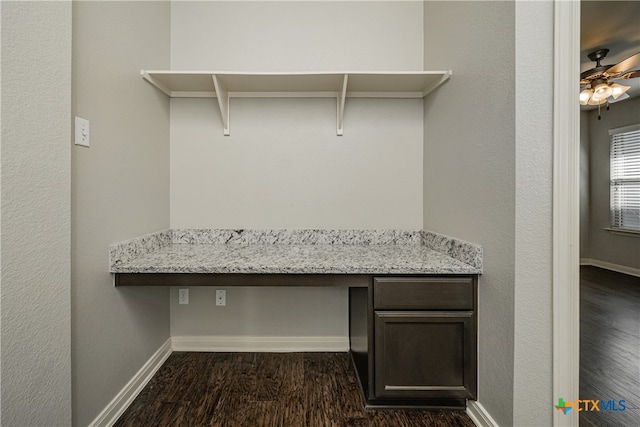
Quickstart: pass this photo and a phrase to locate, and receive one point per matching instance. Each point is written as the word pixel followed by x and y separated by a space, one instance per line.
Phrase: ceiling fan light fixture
pixel 617 90
pixel 598 82
pixel 595 101
pixel 585 96
pixel 601 92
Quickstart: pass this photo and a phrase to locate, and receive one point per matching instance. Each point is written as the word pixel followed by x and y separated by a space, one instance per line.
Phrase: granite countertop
pixel 296 252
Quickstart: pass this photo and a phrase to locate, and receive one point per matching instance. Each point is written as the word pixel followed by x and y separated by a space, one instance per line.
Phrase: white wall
pixel 488 133
pixel 283 165
pixel 120 190
pixel 603 245
pixel 35 237
pixel 299 35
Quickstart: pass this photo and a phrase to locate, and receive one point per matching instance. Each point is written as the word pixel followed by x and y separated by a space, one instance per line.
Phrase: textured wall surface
pixel 35 237
pixel 501 180
pixel 120 190
pixel 469 167
pixel 283 165
pixel 532 366
pixel 604 246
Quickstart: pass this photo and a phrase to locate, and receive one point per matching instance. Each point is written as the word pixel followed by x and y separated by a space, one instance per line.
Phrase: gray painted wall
pixel 487 179
pixel 603 245
pixel 469 173
pixel 585 171
pixel 35 236
pixel 120 190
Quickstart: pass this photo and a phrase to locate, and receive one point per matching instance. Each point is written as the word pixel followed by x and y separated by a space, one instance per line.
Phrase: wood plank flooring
pixel 610 345
pixel 266 389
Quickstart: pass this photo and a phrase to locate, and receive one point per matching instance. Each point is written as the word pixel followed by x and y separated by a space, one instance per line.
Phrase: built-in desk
pixel 412 295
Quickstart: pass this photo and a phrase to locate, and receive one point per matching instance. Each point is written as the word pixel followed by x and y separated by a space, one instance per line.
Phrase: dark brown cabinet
pixel 423 354
pixel 420 348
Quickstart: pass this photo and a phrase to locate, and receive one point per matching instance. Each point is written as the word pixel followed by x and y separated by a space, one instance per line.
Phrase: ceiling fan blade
pixel 631 75
pixel 622 97
pixel 624 65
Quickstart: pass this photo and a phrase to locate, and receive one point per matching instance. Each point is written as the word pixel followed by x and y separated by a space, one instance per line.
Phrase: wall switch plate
pixel 183 296
pixel 82 132
pixel 221 297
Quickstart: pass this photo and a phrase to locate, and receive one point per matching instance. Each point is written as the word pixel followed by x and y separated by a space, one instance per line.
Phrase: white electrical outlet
pixel 82 132
pixel 221 297
pixel 183 296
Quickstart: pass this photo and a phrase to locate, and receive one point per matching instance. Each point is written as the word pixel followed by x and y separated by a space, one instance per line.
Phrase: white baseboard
pixel 479 415
pixel 259 344
pixel 610 266
pixel 123 399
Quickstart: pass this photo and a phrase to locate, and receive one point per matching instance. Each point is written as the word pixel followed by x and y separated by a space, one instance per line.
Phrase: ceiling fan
pixel 596 83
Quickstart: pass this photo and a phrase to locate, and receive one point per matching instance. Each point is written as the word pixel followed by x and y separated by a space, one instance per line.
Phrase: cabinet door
pixel 425 354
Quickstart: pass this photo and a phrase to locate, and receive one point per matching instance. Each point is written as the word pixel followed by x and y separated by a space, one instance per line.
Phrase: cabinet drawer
pixel 423 293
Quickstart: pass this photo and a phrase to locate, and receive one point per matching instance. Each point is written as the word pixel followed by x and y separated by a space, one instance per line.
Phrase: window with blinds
pixel 625 177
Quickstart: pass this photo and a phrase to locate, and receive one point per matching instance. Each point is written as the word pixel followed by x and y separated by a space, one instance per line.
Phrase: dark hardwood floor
pixel 610 345
pixel 266 389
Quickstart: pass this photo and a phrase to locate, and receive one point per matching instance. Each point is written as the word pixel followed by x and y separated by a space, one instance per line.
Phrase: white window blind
pixel 625 177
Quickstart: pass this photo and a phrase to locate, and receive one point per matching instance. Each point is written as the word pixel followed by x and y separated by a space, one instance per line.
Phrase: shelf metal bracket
pixel 435 85
pixel 222 94
pixel 342 94
pixel 156 83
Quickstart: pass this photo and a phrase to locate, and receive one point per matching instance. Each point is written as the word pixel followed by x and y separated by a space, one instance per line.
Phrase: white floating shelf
pixel 339 85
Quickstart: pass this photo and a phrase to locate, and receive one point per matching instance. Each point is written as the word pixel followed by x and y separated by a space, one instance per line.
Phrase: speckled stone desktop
pixel 296 252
